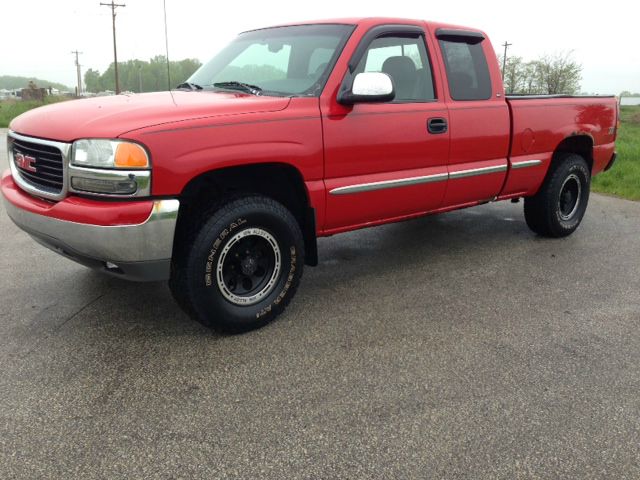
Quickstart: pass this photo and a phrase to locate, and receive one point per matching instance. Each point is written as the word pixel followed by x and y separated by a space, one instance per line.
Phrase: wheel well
pixel 580 144
pixel 280 182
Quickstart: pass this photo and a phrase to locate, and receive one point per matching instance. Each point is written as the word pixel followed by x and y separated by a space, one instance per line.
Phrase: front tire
pixel 558 208
pixel 243 266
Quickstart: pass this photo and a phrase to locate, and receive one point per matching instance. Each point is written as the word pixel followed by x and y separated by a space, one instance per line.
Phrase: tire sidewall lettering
pixel 287 285
pixel 215 247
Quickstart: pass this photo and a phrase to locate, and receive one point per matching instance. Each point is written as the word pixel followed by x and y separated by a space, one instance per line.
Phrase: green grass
pixel 9 109
pixel 623 180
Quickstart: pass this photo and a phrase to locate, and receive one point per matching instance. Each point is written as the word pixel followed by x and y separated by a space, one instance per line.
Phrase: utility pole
pixel 166 44
pixel 79 87
pixel 504 59
pixel 115 50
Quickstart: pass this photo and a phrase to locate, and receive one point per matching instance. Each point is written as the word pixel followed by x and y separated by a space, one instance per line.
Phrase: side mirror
pixel 369 87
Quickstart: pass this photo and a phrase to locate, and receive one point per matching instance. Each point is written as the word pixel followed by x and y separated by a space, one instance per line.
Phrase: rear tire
pixel 241 266
pixel 558 208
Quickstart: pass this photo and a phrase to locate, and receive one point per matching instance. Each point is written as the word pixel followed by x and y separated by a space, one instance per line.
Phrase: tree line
pixel 550 74
pixel 141 76
pixel 12 82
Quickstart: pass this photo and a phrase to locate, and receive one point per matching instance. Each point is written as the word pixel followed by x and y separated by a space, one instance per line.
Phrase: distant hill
pixel 10 82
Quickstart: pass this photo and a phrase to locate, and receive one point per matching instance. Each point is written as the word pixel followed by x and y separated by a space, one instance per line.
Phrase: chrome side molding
pixel 405 182
pixel 525 164
pixel 439 177
pixel 472 172
pixel 401 182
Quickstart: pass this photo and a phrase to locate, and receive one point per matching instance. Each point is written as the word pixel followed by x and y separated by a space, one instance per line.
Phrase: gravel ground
pixel 456 346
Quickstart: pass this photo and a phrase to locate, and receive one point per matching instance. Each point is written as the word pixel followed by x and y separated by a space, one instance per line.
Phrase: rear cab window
pixel 466 65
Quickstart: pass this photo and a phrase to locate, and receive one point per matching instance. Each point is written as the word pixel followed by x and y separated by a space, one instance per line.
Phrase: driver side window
pixel 405 60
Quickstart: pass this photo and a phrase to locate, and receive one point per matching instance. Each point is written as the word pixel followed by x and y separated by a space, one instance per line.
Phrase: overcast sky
pixel 37 40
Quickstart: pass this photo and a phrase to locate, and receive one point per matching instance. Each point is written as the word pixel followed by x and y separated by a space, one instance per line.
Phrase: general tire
pixel 239 265
pixel 558 208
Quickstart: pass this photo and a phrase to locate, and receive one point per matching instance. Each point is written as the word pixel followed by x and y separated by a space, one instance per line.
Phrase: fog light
pixel 114 187
pixel 112 268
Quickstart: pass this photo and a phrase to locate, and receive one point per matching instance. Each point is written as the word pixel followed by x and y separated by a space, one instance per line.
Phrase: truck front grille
pixel 39 165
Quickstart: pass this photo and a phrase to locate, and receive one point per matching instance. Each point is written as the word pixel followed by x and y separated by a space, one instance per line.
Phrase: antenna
pixel 166 44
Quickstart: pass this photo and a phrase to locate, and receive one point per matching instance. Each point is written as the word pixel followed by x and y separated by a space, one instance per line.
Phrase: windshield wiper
pixel 245 87
pixel 189 85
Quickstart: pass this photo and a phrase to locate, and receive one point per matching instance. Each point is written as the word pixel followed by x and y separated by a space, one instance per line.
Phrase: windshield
pixel 285 61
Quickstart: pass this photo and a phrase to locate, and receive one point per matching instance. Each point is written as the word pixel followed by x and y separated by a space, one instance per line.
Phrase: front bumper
pixel 136 251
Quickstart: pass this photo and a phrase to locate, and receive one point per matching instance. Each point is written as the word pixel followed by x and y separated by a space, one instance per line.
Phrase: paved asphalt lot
pixel 458 346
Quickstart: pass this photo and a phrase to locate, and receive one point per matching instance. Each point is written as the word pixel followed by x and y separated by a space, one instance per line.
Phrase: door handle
pixel 437 125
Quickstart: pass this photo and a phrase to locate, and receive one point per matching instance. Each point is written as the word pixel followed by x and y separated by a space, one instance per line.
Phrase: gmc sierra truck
pixel 223 185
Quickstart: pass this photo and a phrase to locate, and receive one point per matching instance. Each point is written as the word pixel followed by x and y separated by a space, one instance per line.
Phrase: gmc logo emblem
pixel 25 162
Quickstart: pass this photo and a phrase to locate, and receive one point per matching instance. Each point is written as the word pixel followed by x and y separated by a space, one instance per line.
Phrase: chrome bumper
pixel 136 252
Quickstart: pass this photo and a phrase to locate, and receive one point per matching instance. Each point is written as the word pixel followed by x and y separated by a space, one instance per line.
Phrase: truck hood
pixel 110 117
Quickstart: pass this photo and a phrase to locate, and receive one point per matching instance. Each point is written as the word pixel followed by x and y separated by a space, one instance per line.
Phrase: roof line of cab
pixel 371 21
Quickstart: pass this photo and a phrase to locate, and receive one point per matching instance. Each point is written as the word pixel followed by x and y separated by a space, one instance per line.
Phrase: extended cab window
pixel 467 70
pixel 405 61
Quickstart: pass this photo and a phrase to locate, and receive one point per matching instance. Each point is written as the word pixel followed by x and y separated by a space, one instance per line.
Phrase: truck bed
pixel 526 96
pixel 540 123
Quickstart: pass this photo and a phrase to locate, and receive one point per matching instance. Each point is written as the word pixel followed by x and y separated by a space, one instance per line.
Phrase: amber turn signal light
pixel 130 155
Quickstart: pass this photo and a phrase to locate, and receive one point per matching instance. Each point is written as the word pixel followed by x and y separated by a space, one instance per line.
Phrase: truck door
pixel 479 122
pixel 386 160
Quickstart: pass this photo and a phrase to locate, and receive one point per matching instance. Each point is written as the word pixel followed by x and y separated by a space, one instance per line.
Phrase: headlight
pixel 109 154
pixel 109 167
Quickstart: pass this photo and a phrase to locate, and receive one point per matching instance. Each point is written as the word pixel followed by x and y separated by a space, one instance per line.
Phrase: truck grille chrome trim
pixel 472 172
pixel 526 163
pixel 38 166
pixel 401 182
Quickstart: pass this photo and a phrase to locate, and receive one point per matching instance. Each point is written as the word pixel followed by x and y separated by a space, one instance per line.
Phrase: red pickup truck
pixel 222 185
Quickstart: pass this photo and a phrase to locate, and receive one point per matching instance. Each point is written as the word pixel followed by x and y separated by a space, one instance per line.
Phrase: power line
pixel 115 50
pixel 79 87
pixel 504 58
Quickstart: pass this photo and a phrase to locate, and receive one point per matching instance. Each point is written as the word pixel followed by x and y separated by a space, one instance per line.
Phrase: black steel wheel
pixel 248 266
pixel 558 208
pixel 569 198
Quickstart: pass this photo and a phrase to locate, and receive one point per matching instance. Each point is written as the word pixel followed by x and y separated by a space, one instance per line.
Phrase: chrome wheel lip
pixel 268 287
pixel 568 216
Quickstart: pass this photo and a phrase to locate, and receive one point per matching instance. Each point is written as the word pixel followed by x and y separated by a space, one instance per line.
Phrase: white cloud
pixel 39 43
